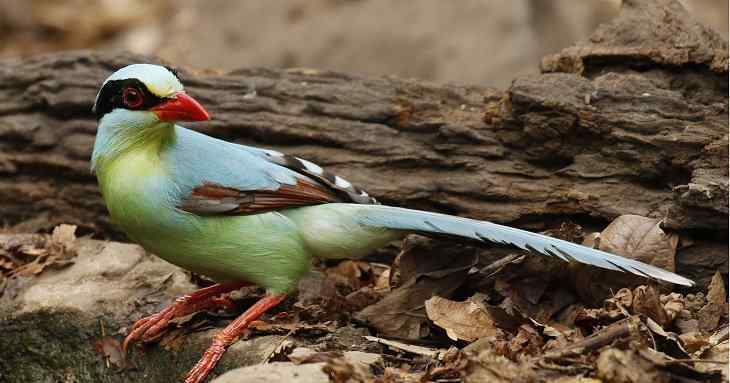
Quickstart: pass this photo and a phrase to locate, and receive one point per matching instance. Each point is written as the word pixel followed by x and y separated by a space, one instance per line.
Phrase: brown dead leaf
pixel 717 353
pixel 64 234
pixel 631 236
pixel 6 263
pixel 576 379
pixel 527 341
pixel 640 238
pixel 34 257
pixel 646 301
pixel 466 320
pixel 619 366
pixel 716 306
pixel 673 305
pixel 693 341
pixel 488 366
pixel 111 350
pixel 339 371
pixel 562 336
pixel 303 355
pixel 382 282
pixel 365 296
pixel 676 343
pixel 319 299
pixel 351 274
pixel 619 304
pixel 401 314
pixel 528 297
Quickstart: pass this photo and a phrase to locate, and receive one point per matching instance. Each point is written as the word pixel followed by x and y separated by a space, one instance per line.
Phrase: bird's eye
pixel 132 97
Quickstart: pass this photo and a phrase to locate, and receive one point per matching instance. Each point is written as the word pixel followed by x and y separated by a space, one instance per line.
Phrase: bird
pixel 244 215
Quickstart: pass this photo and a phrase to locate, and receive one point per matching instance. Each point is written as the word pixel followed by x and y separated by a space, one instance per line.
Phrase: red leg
pixel 229 335
pixel 146 329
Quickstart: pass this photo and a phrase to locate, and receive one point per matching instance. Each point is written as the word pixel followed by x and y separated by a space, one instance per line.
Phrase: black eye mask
pixel 111 97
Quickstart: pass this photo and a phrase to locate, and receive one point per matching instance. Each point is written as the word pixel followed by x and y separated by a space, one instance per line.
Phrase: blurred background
pixel 486 42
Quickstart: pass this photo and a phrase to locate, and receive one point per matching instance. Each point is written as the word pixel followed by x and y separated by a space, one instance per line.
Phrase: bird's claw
pixel 150 328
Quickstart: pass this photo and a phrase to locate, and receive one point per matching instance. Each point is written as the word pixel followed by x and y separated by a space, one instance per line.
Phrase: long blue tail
pixel 427 222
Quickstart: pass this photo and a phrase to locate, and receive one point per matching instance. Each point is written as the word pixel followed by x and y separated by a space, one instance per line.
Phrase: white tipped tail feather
pixel 406 219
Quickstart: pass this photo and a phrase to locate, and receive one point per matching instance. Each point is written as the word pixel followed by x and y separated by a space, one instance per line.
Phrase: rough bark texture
pixel 631 121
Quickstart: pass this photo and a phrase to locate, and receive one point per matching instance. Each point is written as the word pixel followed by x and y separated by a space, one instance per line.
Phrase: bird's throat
pixel 113 142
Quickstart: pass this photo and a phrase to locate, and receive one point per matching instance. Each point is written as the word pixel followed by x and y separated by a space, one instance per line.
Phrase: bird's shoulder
pixel 214 175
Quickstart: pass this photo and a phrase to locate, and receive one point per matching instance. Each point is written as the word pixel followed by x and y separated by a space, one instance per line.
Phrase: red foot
pixel 229 335
pixel 149 328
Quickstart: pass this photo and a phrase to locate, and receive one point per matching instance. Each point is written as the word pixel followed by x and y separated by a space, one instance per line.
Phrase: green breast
pixel 265 249
pixel 133 188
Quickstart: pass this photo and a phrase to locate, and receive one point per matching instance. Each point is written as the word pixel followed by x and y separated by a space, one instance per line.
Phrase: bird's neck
pixel 114 140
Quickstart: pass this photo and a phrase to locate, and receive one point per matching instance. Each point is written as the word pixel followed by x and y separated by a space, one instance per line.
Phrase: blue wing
pixel 218 177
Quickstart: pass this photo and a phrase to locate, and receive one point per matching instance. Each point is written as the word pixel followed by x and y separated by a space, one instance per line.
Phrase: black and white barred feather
pixel 339 185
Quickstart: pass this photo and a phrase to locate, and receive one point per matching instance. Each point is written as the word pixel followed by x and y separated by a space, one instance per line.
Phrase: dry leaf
pixel 716 306
pixel 618 304
pixel 527 341
pixel 466 320
pixel 640 238
pixel 303 355
pixel 619 366
pixel 64 234
pixel 401 314
pixel 693 341
pixel 111 350
pixel 349 273
pixel 673 305
pixel 366 296
pixel 488 366
pixel 646 301
pixel 657 329
pixel 719 353
pixel 382 282
pixel 38 255
pixel 528 296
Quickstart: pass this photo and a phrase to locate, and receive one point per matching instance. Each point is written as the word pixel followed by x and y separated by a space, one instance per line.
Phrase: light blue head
pixel 137 100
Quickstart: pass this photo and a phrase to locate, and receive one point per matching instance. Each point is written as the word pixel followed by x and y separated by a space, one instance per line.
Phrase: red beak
pixel 181 107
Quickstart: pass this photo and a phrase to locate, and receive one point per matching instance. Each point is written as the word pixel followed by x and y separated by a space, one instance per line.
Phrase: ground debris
pixel 401 313
pixel 28 255
pixel 466 320
pixel 631 236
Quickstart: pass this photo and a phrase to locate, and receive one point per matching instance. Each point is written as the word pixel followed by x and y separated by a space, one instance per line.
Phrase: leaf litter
pixel 515 318
pixel 26 256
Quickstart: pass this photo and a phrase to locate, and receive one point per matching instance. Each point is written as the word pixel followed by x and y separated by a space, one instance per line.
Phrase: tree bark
pixel 633 120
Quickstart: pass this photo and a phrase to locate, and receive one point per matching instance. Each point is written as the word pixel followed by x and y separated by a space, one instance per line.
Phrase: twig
pixel 497 266
pixel 675 361
pixel 413 349
pixel 599 339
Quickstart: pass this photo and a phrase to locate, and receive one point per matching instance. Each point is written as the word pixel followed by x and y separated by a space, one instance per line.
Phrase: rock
pixel 52 322
pixel 276 372
pixel 106 277
pixel 365 359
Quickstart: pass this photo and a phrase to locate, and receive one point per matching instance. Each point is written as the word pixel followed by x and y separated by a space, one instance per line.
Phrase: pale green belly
pixel 262 249
pixel 332 231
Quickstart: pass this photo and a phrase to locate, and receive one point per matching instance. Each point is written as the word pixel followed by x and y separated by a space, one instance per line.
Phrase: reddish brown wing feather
pixel 211 199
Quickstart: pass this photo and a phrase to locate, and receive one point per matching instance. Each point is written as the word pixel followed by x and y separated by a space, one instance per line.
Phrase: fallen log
pixel 631 121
